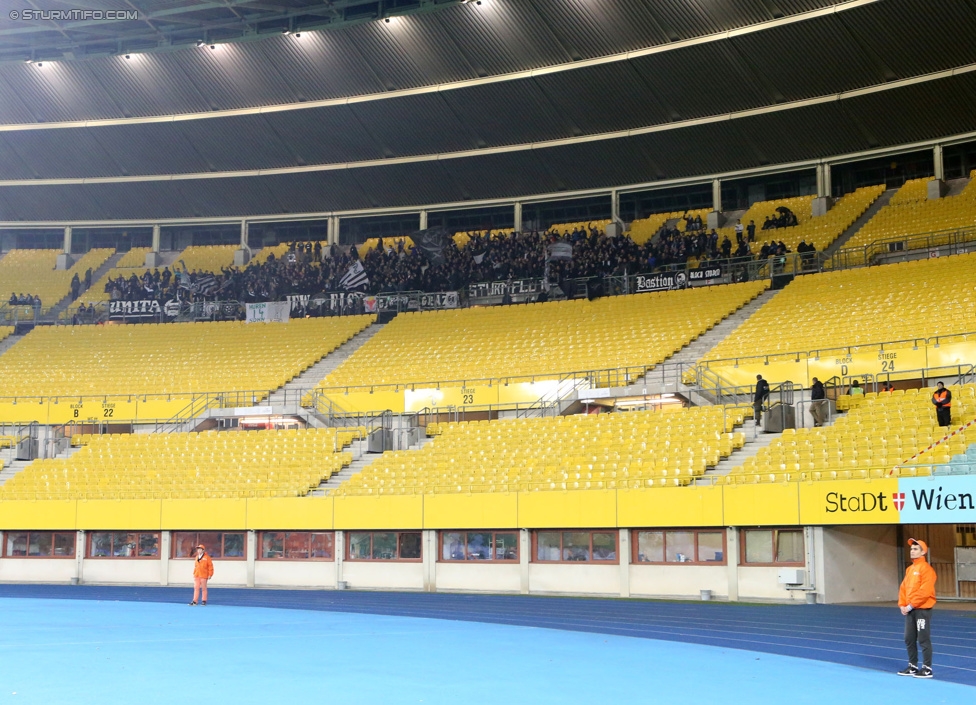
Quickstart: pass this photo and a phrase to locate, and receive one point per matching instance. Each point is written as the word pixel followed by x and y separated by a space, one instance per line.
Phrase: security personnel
pixel 916 598
pixel 943 403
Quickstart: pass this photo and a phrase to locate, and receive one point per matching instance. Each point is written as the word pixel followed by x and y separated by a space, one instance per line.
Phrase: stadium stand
pixel 207 258
pixel 877 438
pixel 911 213
pixel 540 340
pixel 643 229
pixel 855 307
pixel 208 465
pixel 32 272
pixel 176 358
pixel 136 257
pixel 585 226
pixel 582 452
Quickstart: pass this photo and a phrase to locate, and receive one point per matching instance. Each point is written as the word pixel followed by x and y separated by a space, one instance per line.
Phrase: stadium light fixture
pixel 200 42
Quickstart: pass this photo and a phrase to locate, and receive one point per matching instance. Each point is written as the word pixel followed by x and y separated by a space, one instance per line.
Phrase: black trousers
pixel 944 414
pixel 918 624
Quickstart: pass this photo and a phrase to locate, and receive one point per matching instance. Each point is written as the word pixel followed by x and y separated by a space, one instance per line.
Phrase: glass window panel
pixel 605 546
pixel 759 546
pixel 384 546
pixel 184 541
pixel 359 545
pixel 272 544
pixel 40 543
pixel 789 546
pixel 650 546
pixel 323 545
pixel 123 545
pixel 296 546
pixel 101 544
pixel 506 547
pixel 211 542
pixel 233 546
pixel 410 545
pixel 680 546
pixel 452 546
pixel 576 546
pixel 148 545
pixel 711 546
pixel 547 546
pixel 64 544
pixel 17 543
pixel 479 546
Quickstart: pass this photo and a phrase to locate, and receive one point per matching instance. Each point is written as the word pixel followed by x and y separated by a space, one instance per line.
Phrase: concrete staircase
pixel 364 459
pixel 11 468
pixel 96 276
pixel 955 187
pixel 667 376
pixel 321 369
pixel 9 342
pixel 860 222
pixel 755 441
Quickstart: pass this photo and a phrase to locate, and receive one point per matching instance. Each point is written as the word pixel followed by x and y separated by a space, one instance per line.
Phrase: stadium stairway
pixel 955 186
pixel 666 377
pixel 64 303
pixel 356 466
pixel 317 372
pixel 860 222
pixel 754 442
pixel 9 342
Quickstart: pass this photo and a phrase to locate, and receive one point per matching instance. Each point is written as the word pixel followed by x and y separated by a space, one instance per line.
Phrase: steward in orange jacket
pixel 203 570
pixel 916 598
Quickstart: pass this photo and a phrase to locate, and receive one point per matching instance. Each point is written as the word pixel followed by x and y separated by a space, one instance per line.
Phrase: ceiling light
pixel 286 32
pixel 200 42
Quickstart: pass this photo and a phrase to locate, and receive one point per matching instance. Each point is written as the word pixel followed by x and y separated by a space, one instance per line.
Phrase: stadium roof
pixel 466 102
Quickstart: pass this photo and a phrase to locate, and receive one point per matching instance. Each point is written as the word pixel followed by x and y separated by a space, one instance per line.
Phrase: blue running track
pixel 90 644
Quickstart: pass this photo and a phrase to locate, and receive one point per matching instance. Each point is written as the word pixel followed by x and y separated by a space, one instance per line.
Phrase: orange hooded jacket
pixel 203 566
pixel 918 587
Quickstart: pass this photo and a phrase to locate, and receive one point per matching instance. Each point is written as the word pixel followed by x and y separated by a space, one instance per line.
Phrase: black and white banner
pixel 709 274
pixel 665 281
pixel 516 287
pixel 439 300
pixel 147 308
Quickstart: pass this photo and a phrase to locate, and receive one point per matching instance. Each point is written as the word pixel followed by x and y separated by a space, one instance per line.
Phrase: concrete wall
pixel 848 564
pixel 860 563
pixel 678 580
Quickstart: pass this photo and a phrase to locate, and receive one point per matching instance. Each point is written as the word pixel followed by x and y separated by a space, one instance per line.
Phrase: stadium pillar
pixel 243 255
pixel 339 551
pixel 517 217
pixel 429 556
pixel 423 220
pixel 732 562
pixel 80 558
pixel 332 233
pixel 715 217
pixel 64 260
pixel 251 554
pixel 937 187
pixel 164 546
pixel 624 553
pixel 525 553
pixel 822 203
pixel 153 258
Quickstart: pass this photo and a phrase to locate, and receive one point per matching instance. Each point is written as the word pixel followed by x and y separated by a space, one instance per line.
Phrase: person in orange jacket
pixel 916 598
pixel 202 572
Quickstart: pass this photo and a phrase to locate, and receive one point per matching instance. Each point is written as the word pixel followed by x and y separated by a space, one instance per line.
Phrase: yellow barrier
pixel 407 400
pixel 888 361
pixel 92 409
pixel 774 504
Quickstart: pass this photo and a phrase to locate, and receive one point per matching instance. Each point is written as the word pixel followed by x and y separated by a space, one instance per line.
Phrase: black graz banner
pixel 708 274
pixel 439 300
pixel 660 282
pixel 516 287
pixel 147 308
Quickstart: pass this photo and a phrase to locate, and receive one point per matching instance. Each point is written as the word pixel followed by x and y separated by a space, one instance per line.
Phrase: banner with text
pixel 515 287
pixel 149 308
pixel 270 312
pixel 665 281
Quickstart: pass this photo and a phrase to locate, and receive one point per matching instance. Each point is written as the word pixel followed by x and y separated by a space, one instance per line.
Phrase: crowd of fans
pixel 308 268
pixel 25 300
